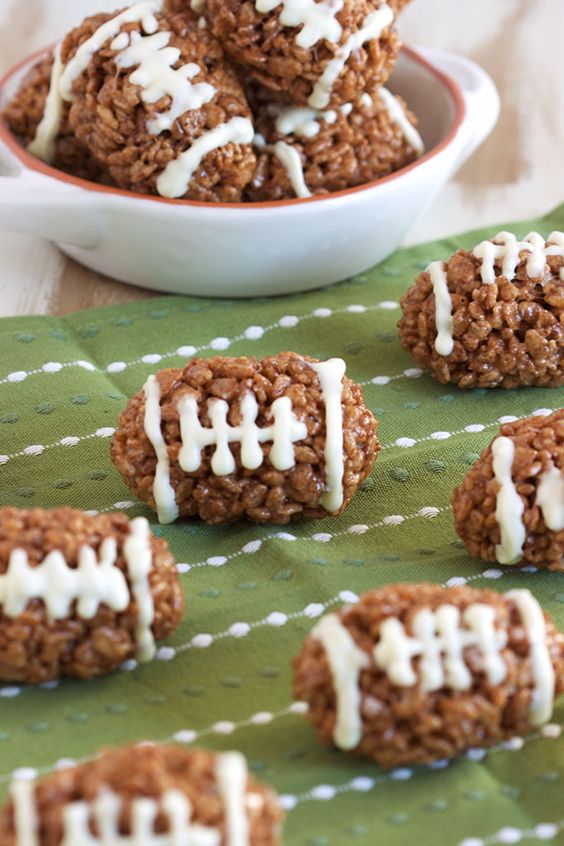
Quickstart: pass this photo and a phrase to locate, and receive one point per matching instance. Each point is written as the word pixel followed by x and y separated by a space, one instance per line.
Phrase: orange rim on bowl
pixel 32 163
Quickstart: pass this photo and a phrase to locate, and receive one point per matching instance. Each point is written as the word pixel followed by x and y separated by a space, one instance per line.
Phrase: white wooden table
pixel 519 172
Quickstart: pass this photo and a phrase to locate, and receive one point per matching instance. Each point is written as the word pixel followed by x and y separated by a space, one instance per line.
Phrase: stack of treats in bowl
pixel 260 101
pixel 222 102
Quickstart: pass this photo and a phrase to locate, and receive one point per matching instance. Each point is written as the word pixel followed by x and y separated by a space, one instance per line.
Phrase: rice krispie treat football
pixel 410 674
pixel 510 506
pixel 318 54
pixel 271 440
pixel 155 103
pixel 80 594
pixel 26 114
pixel 303 151
pixel 491 317
pixel 148 793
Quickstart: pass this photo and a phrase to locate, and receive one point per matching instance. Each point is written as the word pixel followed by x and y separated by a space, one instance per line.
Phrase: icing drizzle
pixel 139 558
pixel 509 505
pixel 157 77
pixel 106 809
pixel 303 122
pixel 444 342
pixel 93 582
pixel 555 247
pixel 346 661
pixel 374 25
pixel 43 145
pixel 284 432
pixel 290 158
pixel 231 775
pixel 398 115
pixel 504 250
pixel 317 19
pixel 330 374
pixel 550 498
pixel 439 641
pixel 163 492
pixel 25 813
pixel 174 180
pixel 543 671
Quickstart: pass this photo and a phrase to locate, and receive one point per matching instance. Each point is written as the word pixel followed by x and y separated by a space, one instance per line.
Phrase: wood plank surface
pixel 517 173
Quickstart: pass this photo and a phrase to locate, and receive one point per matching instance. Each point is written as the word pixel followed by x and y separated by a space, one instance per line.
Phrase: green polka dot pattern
pixel 253 592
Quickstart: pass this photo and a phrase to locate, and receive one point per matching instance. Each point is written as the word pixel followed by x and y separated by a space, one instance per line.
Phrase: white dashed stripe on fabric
pixel 543 831
pixel 227 727
pixel 107 432
pixel 219 344
pixel 251 547
pixel 122 505
pixel 364 784
pixel 490 573
pixel 68 441
pixel 276 619
pixel 184 736
pixel 382 379
pixel 472 428
pixel 50 367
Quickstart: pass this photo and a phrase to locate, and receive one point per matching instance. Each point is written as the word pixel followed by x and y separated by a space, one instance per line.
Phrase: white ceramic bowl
pixel 244 250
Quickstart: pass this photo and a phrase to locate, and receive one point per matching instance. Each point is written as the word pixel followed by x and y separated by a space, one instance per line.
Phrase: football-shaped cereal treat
pixel 153 100
pixel 44 129
pixel 491 317
pixel 318 54
pixel 147 794
pixel 510 506
pixel 227 438
pixel 80 594
pixel 303 151
pixel 410 674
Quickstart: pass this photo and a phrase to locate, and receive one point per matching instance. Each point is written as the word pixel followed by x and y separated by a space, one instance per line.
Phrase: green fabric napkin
pixel 63 382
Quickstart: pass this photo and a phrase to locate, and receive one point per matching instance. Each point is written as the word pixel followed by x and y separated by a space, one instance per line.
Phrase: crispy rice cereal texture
pixel 109 116
pixel 507 334
pixel 24 113
pixel 405 725
pixel 538 447
pixel 359 146
pixel 35 648
pixel 265 494
pixel 147 771
pixel 267 50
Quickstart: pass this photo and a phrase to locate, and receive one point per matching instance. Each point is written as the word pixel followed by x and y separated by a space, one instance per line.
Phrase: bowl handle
pixel 34 204
pixel 479 92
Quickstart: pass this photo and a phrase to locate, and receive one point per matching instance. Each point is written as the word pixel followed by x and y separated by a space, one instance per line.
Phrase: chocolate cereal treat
pixel 80 594
pixel 491 317
pixel 24 116
pixel 303 151
pixel 411 674
pixel 143 793
pixel 271 440
pixel 318 54
pixel 510 506
pixel 154 102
